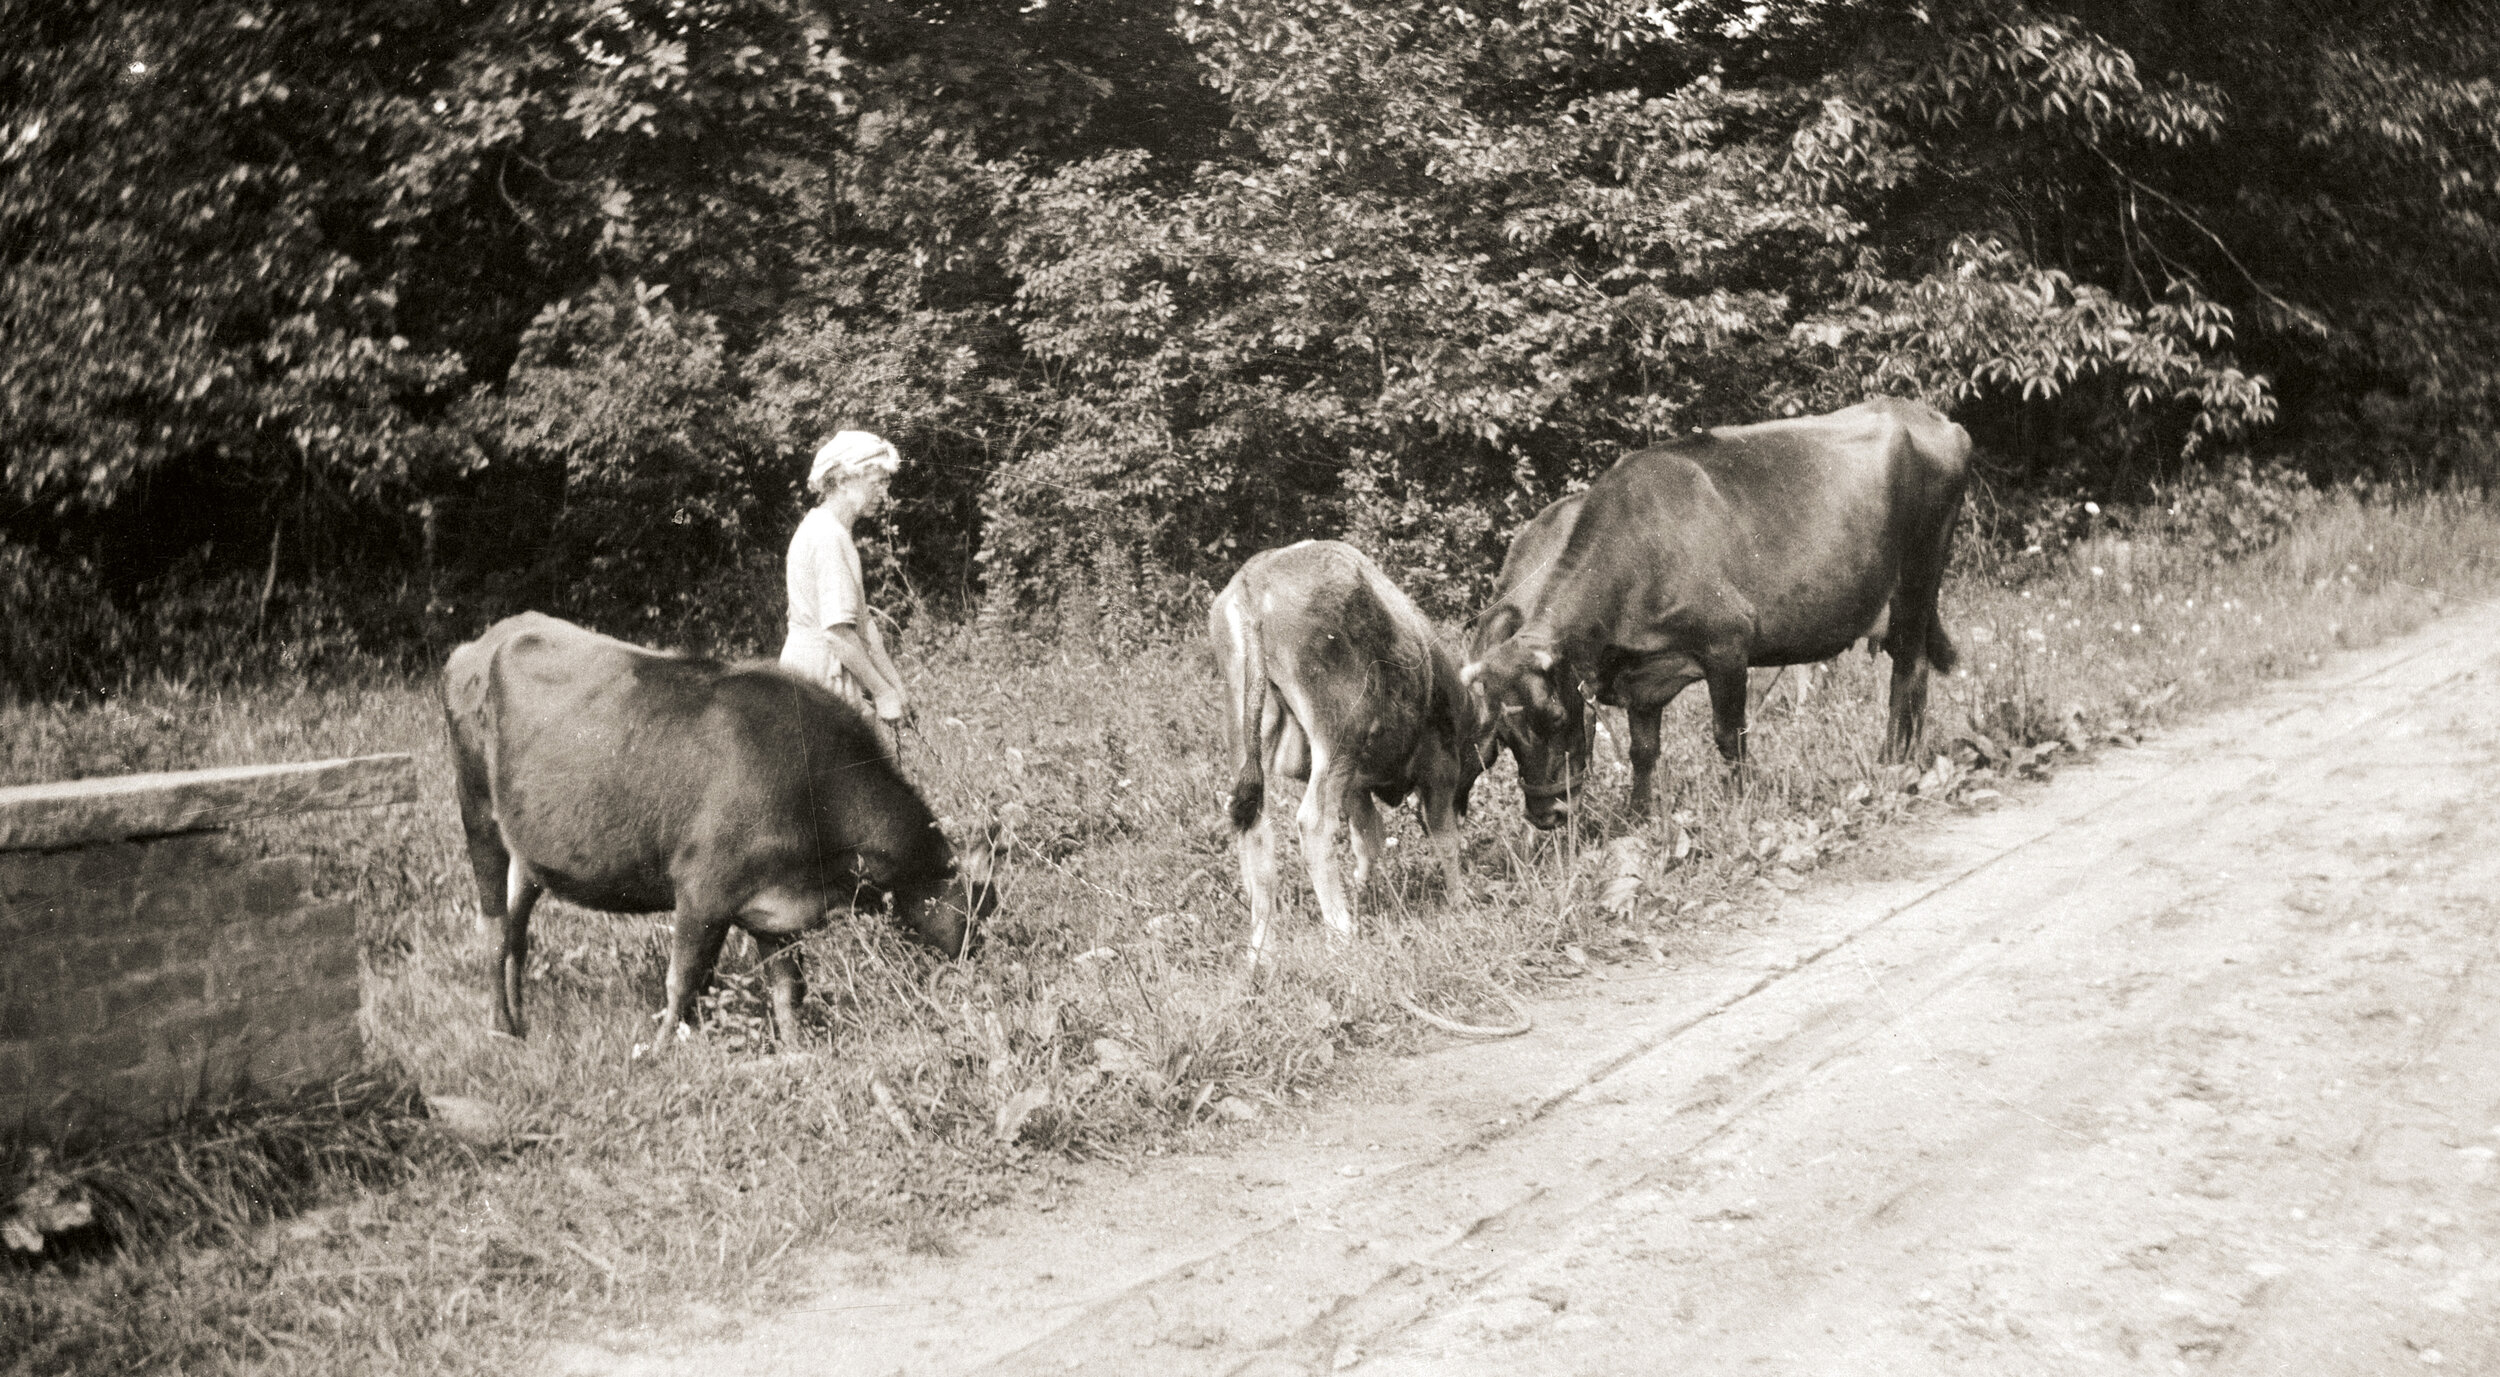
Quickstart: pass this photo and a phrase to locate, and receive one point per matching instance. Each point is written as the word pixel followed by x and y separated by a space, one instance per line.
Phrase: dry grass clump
pixel 213 1176
pixel 210 1180
pixel 1108 1013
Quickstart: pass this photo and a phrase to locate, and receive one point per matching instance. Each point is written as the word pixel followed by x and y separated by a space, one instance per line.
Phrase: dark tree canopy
pixel 552 298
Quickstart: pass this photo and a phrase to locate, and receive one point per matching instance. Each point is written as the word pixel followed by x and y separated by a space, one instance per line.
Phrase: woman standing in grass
pixel 833 638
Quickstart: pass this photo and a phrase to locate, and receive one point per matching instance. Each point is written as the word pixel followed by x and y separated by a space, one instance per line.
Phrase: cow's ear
pixel 1499 627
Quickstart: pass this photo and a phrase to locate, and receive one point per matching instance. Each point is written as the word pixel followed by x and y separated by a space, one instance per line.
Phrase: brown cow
pixel 1773 544
pixel 631 781
pixel 1333 676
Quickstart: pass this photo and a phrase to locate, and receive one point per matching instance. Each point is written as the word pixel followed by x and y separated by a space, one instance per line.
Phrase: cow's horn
pixel 1544 660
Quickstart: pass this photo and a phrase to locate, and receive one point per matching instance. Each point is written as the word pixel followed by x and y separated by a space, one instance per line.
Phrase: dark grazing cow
pixel 1773 544
pixel 1332 675
pixel 631 781
pixel 1552 756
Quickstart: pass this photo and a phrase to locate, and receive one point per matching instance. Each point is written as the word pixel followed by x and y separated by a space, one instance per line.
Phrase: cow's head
pixel 1451 754
pixel 946 911
pixel 1530 704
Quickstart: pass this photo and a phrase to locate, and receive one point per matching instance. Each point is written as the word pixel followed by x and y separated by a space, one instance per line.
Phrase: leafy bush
pixel 61 634
pixel 66 638
pixel 2231 512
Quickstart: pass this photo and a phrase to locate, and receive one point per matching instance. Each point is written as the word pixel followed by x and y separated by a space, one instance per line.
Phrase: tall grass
pixel 1108 1014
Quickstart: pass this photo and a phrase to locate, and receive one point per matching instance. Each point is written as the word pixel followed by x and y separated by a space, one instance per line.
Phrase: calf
pixel 1333 676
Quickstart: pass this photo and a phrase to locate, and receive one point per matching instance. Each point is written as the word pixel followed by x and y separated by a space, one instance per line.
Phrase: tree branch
pixel 2297 312
pixel 2129 230
pixel 517 213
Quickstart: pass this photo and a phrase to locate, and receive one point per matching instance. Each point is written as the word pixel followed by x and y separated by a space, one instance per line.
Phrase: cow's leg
pixel 694 950
pixel 1258 878
pixel 1280 744
pixel 1910 645
pixel 1726 678
pixel 787 981
pixel 1441 825
pixel 519 898
pixel 1640 720
pixel 1908 703
pixel 489 861
pixel 1322 803
pixel 774 916
pixel 1370 836
pixel 1914 637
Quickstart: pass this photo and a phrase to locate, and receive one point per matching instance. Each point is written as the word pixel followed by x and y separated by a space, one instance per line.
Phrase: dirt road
pixel 2191 1059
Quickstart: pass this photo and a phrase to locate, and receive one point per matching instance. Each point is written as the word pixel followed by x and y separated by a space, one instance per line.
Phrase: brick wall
pixel 151 963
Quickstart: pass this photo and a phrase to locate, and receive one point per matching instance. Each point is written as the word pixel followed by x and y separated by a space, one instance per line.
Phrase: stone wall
pixel 151 963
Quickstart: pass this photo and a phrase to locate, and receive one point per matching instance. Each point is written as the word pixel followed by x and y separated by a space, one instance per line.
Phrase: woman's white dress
pixel 825 592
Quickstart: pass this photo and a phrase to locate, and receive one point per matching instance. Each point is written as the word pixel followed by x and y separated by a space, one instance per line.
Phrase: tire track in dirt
pixel 2151 1325
pixel 1836 1032
pixel 1475 1253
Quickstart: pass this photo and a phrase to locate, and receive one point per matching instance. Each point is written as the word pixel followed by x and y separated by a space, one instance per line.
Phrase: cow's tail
pixel 1248 708
pixel 1940 651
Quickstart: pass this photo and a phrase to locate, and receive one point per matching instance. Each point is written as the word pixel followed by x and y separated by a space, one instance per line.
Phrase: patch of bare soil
pixel 2191 1060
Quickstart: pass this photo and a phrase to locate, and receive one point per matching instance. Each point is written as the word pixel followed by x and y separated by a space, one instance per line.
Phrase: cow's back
pixel 1882 463
pixel 813 790
pixel 551 651
pixel 1356 650
pixel 1527 565
pixel 596 754
pixel 1330 619
pixel 1801 524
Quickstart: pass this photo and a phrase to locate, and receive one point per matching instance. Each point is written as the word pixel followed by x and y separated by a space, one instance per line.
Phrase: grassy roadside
pixel 1107 1015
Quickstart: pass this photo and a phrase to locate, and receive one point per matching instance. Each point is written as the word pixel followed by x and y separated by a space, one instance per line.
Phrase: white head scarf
pixel 851 454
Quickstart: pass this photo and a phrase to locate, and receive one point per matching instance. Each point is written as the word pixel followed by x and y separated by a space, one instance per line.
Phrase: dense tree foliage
pixel 544 301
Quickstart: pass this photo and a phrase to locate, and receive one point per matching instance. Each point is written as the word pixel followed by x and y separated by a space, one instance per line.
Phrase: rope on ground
pixel 1470 1030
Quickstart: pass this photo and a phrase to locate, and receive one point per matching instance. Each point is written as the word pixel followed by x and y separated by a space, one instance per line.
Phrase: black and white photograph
pixel 1249 688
